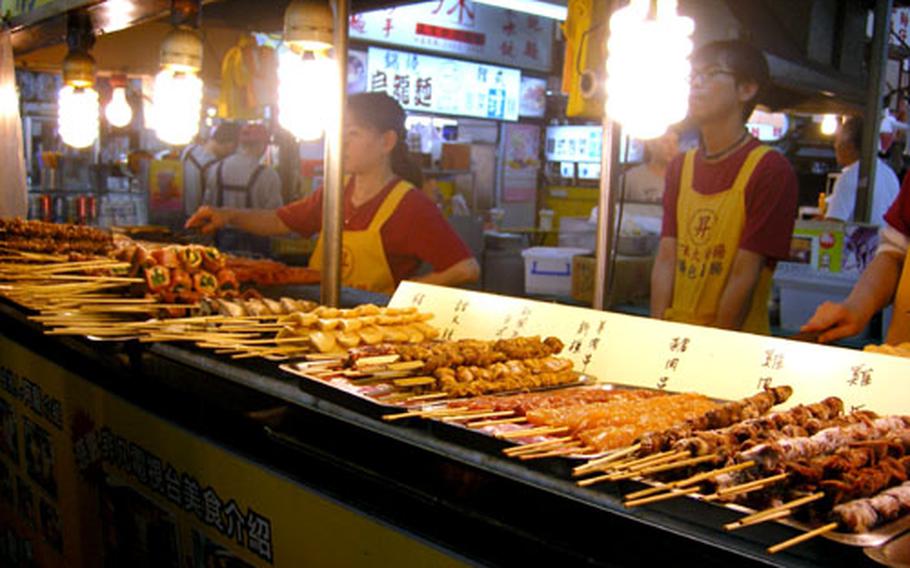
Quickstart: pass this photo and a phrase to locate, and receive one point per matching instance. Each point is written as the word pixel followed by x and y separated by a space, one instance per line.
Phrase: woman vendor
pixel 390 227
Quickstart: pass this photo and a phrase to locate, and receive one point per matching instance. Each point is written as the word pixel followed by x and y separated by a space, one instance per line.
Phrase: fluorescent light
pixel 535 7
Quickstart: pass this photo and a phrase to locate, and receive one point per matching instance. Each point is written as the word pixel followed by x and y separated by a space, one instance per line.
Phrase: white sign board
pixel 573 143
pixel 461 27
pixel 650 353
pixel 445 86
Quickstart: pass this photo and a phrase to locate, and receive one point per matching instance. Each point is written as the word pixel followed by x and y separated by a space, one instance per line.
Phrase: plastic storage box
pixel 548 270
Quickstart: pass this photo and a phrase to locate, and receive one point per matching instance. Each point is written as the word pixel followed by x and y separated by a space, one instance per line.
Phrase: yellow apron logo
pixel 701 226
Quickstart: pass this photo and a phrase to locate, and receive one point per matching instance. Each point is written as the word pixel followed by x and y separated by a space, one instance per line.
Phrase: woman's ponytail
pixel 403 165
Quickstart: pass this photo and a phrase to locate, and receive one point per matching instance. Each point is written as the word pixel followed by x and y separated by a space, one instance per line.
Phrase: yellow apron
pixel 363 260
pixel 899 330
pixel 708 233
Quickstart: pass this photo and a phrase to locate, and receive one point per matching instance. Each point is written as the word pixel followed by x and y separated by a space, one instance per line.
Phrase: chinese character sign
pixel 445 86
pixel 461 27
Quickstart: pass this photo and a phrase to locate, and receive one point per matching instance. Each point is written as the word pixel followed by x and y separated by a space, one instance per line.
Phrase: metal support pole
pixel 333 196
pixel 878 62
pixel 605 208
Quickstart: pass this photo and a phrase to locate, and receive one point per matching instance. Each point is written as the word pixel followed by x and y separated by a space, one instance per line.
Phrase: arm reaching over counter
pixel 872 292
pixel 886 279
pixel 261 222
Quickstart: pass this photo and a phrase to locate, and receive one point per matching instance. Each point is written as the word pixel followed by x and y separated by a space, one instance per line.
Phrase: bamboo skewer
pixel 641 468
pixel 768 514
pixel 594 480
pixel 556 452
pixel 782 514
pixel 545 446
pixel 654 459
pixel 678 464
pixel 746 487
pixel 421 414
pixel 115 300
pixel 424 397
pixel 124 279
pixel 42 269
pixel 649 491
pixel 802 538
pixel 662 497
pixel 524 448
pixel 483 423
pixel 596 463
pixel 634 470
pixel 531 432
pixel 690 480
pixel 266 352
pixel 473 415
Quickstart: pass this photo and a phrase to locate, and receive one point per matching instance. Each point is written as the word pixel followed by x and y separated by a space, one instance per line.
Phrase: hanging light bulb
pixel 307 93
pixel 77 119
pixel 177 96
pixel 829 124
pixel 648 67
pixel 77 101
pixel 303 109
pixel 118 111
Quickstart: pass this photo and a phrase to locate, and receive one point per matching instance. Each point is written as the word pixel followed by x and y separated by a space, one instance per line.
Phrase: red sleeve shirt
pixel 415 233
pixel 898 215
pixel 772 195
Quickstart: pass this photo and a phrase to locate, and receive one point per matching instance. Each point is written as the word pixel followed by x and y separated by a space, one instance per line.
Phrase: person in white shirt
pixel 842 201
pixel 240 181
pixel 198 159
pixel 889 127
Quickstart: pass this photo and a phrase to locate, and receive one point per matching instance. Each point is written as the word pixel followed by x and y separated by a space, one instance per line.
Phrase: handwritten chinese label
pixel 860 376
pixel 772 362
pixel 678 347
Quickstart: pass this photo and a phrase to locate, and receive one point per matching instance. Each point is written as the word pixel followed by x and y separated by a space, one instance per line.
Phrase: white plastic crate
pixel 548 270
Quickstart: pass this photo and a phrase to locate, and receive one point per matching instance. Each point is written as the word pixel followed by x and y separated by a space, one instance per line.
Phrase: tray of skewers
pixel 813 467
pixel 573 422
pixel 412 375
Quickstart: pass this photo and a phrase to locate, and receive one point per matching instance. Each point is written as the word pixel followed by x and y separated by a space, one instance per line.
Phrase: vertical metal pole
pixel 878 62
pixel 605 207
pixel 332 202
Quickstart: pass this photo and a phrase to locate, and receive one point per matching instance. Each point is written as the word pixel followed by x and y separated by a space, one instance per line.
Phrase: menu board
pixel 574 143
pixel 582 144
pixel 445 86
pixel 460 27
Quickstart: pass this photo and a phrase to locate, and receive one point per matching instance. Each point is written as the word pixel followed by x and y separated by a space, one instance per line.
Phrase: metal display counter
pixel 450 494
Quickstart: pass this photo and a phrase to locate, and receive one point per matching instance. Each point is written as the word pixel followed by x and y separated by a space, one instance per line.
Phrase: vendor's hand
pixel 835 321
pixel 208 219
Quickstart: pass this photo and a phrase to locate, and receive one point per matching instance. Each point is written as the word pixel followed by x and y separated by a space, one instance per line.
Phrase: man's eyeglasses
pixel 708 74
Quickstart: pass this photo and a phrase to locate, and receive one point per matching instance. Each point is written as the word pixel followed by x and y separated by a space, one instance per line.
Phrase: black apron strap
pixel 251 183
pixel 219 185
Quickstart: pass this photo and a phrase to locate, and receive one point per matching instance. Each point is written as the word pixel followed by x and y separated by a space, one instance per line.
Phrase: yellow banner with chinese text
pixel 87 479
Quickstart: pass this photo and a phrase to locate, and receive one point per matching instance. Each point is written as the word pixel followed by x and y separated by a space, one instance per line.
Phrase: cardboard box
pixel 456 157
pixel 631 280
